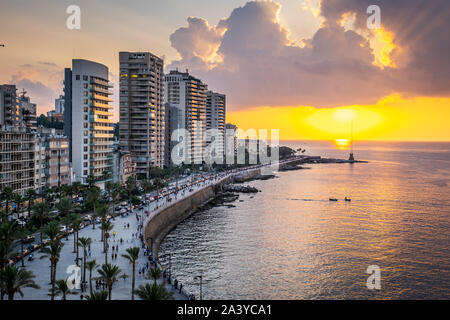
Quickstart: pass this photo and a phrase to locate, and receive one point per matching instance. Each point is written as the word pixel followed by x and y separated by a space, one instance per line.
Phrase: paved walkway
pixel 121 289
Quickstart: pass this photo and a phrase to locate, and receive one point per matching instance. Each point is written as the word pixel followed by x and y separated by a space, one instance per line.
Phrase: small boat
pixel 333 199
pixel 348 199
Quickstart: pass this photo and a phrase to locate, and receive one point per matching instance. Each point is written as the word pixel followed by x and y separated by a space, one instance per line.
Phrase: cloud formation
pixel 250 57
pixel 42 82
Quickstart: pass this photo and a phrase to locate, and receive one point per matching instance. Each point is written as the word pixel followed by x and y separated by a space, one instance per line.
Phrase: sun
pixel 344 115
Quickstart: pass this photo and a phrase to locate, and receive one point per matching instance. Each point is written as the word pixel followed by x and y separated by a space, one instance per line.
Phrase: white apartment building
pixel 87 120
pixel 185 98
pixel 215 122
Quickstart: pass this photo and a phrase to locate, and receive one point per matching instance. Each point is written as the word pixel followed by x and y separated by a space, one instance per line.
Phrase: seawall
pixel 160 223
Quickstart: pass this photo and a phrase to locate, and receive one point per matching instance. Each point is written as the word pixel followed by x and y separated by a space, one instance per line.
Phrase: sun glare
pixel 342 144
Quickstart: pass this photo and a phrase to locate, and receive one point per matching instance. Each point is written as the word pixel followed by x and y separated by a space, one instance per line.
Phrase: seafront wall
pixel 159 224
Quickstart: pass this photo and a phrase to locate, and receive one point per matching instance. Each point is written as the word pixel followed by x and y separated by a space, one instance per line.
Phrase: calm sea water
pixel 290 242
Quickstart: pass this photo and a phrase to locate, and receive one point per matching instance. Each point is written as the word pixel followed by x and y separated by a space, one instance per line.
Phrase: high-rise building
pixel 231 140
pixel 87 120
pixel 215 122
pixel 17 151
pixel 28 111
pixel 10 114
pixel 185 97
pixel 142 112
pixel 59 104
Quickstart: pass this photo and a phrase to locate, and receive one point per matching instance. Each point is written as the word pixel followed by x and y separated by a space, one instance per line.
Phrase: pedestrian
pixel 115 256
pixel 181 287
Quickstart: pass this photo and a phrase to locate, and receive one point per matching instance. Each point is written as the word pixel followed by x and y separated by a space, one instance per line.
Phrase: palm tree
pixel 30 196
pixel 40 212
pixel 7 195
pixel 101 212
pixel 130 186
pixel 154 274
pixel 106 227
pixel 53 253
pixel 14 279
pixel 84 243
pixel 132 256
pixel 75 224
pixel 94 195
pixel 9 231
pixel 65 207
pixel 98 295
pixel 91 265
pixel 90 181
pixel 153 292
pixel 19 200
pixel 109 273
pixel 63 289
pixel 146 185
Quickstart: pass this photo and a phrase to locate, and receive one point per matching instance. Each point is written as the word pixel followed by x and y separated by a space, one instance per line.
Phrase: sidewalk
pixel 121 289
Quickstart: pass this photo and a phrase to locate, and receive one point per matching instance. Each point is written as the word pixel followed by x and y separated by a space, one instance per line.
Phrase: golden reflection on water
pixel 342 144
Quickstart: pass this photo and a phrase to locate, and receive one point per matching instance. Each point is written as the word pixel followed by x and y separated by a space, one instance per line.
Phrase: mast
pixel 351 158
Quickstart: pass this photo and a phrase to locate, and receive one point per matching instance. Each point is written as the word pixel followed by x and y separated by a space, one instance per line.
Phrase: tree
pixel 30 195
pixel 91 266
pixel 18 200
pixel 9 231
pixel 153 292
pixel 7 195
pixel 106 228
pixel 109 273
pixel 94 195
pixel 62 289
pixel 154 274
pixel 132 256
pixel 40 212
pixel 130 186
pixel 99 295
pixel 65 207
pixel 146 185
pixel 14 279
pixel 53 253
pixel 84 243
pixel 75 224
pixel 101 212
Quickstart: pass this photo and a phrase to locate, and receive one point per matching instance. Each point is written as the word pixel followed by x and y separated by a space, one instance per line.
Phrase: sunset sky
pixel 306 67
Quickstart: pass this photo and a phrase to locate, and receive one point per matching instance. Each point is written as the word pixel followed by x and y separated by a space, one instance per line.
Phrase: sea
pixel 290 242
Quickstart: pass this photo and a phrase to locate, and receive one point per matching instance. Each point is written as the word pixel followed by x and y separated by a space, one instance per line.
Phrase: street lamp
pixel 201 285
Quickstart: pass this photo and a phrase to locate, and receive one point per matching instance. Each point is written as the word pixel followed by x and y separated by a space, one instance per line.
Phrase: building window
pixel 77 77
pixel 85 78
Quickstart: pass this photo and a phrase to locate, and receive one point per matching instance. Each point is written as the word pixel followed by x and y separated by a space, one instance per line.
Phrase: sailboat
pixel 351 158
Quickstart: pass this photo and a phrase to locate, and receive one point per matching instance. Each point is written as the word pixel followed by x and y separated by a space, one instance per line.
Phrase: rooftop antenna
pixel 351 158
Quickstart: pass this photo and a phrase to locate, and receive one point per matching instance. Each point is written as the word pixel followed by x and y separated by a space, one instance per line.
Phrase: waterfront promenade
pixel 131 238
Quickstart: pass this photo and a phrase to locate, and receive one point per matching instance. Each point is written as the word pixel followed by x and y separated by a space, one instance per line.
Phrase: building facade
pixel 124 167
pixel 185 98
pixel 10 114
pixel 215 123
pixel 28 111
pixel 87 120
pixel 17 151
pixel 142 112
pixel 51 159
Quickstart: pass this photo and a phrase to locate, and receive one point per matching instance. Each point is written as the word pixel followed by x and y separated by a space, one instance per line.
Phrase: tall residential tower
pixel 87 118
pixel 142 113
pixel 185 98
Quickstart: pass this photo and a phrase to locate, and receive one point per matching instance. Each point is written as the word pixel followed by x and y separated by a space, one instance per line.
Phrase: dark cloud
pixel 256 63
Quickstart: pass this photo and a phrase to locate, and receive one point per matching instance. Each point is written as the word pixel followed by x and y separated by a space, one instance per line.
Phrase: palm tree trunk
pixel 53 282
pixel 110 292
pixel 90 282
pixel 77 248
pixel 21 248
pixel 133 280
pixel 84 265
